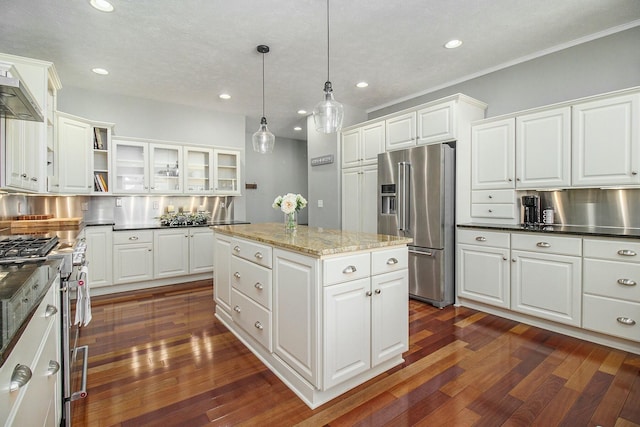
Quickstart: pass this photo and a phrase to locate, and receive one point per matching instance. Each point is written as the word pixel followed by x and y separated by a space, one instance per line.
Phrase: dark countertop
pixel 156 226
pixel 580 230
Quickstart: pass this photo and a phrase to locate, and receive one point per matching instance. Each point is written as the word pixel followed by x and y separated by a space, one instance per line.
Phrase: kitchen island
pixel 325 310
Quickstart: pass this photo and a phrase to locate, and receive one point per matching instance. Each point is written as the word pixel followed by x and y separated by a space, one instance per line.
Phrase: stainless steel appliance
pixel 416 198
pixel 531 210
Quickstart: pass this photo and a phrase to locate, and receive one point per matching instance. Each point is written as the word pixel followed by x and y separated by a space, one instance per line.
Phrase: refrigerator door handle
pixel 403 195
pixel 421 252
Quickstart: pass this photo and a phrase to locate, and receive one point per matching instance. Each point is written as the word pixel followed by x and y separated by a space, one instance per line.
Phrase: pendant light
pixel 263 140
pixel 328 113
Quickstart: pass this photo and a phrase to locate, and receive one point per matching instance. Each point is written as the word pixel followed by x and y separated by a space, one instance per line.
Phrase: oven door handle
pixel 82 393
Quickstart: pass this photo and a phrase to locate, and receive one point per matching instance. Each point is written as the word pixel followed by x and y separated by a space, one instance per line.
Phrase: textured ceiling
pixel 190 51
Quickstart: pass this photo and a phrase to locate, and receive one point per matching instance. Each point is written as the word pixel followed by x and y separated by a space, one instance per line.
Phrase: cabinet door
pixel 369 199
pixel 437 123
pixel 606 142
pixel 350 199
pixel 35 156
pixel 198 170
pixel 347 331
pixel 389 316
pixel 74 156
pixel 400 131
pixel 165 168
pixel 296 301
pixel 171 252
pixel 130 166
pixel 492 155
pixel 373 137
pixel 132 263
pixel 200 250
pixel 226 172
pixel 483 274
pixel 15 173
pixel 351 148
pixel 543 149
pixel 100 254
pixel 547 286
pixel 221 272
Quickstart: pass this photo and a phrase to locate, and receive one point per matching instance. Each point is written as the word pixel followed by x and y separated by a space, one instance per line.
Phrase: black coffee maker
pixel 531 208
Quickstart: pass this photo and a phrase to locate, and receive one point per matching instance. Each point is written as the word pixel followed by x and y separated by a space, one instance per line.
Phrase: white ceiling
pixel 190 51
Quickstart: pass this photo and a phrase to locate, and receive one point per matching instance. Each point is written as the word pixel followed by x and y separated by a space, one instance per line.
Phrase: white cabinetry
pixel 226 172
pixel 130 166
pixel 222 275
pixel 400 131
pixel 200 250
pixel 165 163
pixel 361 146
pixel 546 277
pixel 74 156
pixel 437 123
pixel 493 155
pixel 100 254
pixel 132 256
pixel 171 252
pixel 483 267
pixel 606 142
pixel 198 170
pixel 359 203
pixel 24 155
pixel 611 299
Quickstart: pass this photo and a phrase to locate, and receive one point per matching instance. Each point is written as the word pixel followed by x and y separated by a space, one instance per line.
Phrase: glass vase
pixel 291 221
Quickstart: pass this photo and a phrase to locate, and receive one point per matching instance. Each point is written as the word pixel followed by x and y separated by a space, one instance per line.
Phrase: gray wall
pixel 283 171
pixel 141 118
pixel 602 65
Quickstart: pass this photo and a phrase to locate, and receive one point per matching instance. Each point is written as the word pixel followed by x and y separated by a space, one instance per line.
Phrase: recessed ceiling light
pixel 452 44
pixel 297 128
pixel 362 84
pixel 302 111
pixel 225 96
pixel 100 71
pixel 101 5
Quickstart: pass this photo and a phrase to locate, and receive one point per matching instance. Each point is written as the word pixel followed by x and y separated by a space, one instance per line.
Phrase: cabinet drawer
pixel 612 317
pixel 612 279
pixel 547 244
pixel 493 210
pixel 389 260
pixel 252 280
pixel 493 196
pixel 253 318
pixel 617 250
pixel 343 269
pixel 483 237
pixel 252 251
pixel 136 236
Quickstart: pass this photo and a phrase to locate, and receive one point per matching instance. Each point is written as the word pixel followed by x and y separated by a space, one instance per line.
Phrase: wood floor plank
pixel 614 399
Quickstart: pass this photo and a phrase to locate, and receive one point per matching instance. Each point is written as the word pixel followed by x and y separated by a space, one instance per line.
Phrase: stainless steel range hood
pixel 16 102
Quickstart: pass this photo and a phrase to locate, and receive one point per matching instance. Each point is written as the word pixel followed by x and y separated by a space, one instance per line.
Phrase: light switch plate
pixel 118 202
pixel 320 203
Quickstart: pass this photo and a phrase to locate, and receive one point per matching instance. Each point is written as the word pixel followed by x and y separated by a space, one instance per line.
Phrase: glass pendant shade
pixel 328 113
pixel 263 140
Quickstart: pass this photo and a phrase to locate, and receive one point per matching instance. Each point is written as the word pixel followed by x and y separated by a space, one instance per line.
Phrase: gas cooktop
pixel 25 248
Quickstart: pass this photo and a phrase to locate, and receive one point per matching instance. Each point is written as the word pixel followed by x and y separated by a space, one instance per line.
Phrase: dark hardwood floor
pixel 160 358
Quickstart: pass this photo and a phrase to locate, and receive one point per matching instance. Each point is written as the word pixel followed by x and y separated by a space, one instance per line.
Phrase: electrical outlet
pixel 156 204
pixel 118 202
pixel 223 205
pixel 320 203
pixel 84 206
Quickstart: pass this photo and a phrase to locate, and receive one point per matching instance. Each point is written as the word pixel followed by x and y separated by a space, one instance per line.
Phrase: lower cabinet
pixel 100 254
pixel 171 252
pixel 222 273
pixel 200 250
pixel 132 256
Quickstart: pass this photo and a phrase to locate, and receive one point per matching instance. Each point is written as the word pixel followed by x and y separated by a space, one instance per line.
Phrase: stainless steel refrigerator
pixel 416 198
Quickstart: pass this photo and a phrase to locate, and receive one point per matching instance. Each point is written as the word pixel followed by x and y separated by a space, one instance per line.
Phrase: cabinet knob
pixel 53 368
pixel 504 258
pixel 543 245
pixel 510 180
pixel 237 309
pixel 490 210
pixel 20 377
pixel 626 252
pixel 490 196
pixel 259 286
pixel 236 249
pixel 634 173
pixel 517 179
pixel 35 179
pixel 378 291
pixel 236 275
pixel 481 239
pixel 626 321
pixel 258 325
pixel 24 175
pixel 368 293
pixel 258 255
pixel 627 282
pixel 50 311
pixel 350 269
pixel 133 238
pixel 513 260
pixel 392 261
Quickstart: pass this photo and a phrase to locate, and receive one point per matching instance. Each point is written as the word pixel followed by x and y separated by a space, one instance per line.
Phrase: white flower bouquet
pixel 290 204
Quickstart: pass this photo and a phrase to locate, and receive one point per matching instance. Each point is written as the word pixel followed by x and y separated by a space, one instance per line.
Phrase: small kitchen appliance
pixel 531 210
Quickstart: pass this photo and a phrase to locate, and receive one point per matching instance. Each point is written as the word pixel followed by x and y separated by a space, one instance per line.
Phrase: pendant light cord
pixel 263 85
pixel 328 41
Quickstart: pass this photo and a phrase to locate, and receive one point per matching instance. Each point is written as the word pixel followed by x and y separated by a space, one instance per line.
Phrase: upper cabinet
pixel 606 141
pixel 165 163
pixel 492 155
pixel 361 146
pixel 436 123
pixel 198 170
pixel 226 172
pixel 401 131
pixel 130 170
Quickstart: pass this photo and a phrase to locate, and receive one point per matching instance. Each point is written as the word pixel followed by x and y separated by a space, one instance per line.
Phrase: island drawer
pixel 251 317
pixel 616 250
pixel 611 316
pixel 252 280
pixel 612 279
pixel 134 236
pixel 345 268
pixel 484 238
pixel 389 260
pixel 252 251
pixel 536 242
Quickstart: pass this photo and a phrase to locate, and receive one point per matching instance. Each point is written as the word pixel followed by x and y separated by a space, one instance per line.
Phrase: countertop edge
pixel 574 230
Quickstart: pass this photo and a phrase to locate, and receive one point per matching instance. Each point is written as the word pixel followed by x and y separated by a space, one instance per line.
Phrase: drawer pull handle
pixel 627 282
pixel 626 252
pixel 259 286
pixel 490 196
pixel 236 275
pixel 20 377
pixel 236 248
pixel 368 293
pixel 543 245
pixel 53 369
pixel 350 269
pixel 237 309
pixel 626 321
pixel 378 291
pixel 481 239
pixel 392 261
pixel 134 238
pixel 258 325
pixel 258 255
pixel 50 311
pixel 490 210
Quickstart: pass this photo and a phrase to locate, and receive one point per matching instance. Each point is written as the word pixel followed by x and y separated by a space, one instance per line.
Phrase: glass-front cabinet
pixel 198 173
pixel 226 172
pixel 130 166
pixel 165 164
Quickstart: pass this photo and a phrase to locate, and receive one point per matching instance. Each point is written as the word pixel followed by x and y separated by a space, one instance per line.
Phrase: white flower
pixel 301 201
pixel 277 202
pixel 289 203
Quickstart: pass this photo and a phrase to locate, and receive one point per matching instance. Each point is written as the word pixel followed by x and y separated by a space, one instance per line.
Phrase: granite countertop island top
pixel 580 230
pixel 315 241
